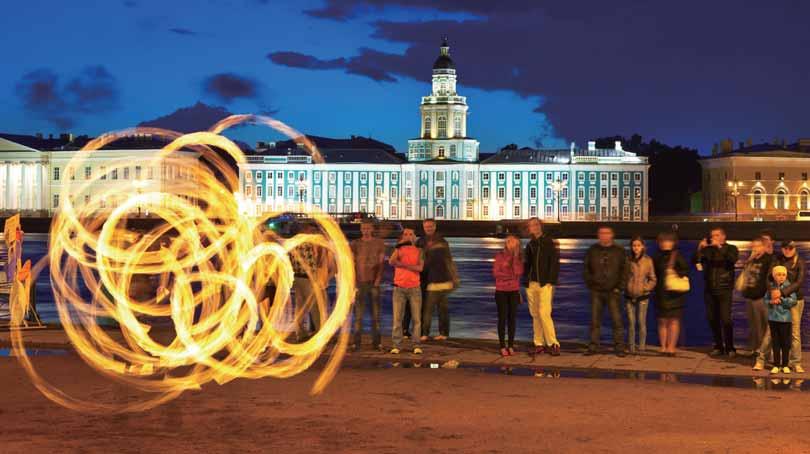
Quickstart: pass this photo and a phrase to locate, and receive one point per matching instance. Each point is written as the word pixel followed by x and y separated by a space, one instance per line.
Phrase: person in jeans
pixel 369 256
pixel 779 318
pixel 507 270
pixel 789 258
pixel 669 304
pixel 312 267
pixel 408 263
pixel 439 278
pixel 640 283
pixel 606 274
pixel 756 270
pixel 541 269
pixel 715 259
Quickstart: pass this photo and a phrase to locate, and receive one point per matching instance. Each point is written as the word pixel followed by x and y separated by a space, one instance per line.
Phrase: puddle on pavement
pixel 36 352
pixel 771 383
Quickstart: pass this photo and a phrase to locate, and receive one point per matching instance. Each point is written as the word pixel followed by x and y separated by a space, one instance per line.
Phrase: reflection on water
pixel 472 307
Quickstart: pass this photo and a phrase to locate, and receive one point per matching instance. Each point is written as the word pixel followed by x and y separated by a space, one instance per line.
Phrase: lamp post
pixel 556 186
pixel 735 192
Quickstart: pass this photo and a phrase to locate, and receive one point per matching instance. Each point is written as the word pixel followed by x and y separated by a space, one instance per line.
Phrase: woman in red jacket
pixel 507 269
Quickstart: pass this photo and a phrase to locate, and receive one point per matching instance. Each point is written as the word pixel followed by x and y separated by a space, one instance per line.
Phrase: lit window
pixel 501 193
pixel 516 191
pixel 56 173
pixel 485 192
pixel 87 173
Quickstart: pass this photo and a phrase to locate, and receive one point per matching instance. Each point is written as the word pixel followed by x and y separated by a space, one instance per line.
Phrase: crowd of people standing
pixel 619 280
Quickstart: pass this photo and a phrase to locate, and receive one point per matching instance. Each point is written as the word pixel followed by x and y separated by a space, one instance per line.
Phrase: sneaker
pixel 539 350
pixel 504 352
pixel 417 351
pixel 406 336
pixel 590 352
pixel 423 338
pixel 732 353
pixel 394 351
pixel 759 365
pixel 798 368
pixel 775 370
pixel 511 351
pixel 620 353
pixel 440 337
pixel 785 370
pixel 555 350
pixel 716 352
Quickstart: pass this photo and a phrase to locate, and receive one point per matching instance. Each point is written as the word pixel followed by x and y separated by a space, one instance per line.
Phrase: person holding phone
pixel 715 259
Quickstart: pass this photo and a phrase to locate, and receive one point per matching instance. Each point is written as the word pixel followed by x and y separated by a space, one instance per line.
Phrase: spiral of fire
pixel 210 318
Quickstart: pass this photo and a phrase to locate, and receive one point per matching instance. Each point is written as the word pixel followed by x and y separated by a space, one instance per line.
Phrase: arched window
pixel 427 126
pixel 442 127
pixel 804 199
pixel 781 199
pixel 457 125
pixel 439 211
pixel 757 199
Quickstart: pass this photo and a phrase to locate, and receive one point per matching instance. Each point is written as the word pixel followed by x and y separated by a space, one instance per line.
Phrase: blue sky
pixel 688 74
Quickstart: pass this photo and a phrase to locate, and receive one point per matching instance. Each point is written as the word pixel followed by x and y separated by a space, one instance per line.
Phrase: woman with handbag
pixel 670 292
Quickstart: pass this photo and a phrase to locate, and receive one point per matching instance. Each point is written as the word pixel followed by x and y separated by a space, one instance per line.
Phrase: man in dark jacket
pixel 438 279
pixel 606 274
pixel 541 268
pixel 716 259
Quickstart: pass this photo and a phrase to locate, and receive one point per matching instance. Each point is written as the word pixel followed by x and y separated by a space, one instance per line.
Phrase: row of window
pixel 167 172
pixel 781 199
pixel 332 176
pixel 563 193
pixel 441 126
pixel 581 176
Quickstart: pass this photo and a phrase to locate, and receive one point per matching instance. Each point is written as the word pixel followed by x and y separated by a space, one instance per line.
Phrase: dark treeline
pixel 674 172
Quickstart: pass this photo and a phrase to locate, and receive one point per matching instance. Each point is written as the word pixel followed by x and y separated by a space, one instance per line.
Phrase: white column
pixel 9 186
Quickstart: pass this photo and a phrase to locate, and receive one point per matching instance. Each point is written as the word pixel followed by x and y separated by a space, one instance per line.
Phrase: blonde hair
pixel 778 268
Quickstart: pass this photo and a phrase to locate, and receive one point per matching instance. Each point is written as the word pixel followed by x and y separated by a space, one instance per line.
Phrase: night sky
pixel 535 72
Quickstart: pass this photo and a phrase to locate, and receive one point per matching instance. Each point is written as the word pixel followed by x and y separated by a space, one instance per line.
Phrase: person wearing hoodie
pixel 439 279
pixel 507 270
pixel 789 258
pixel 779 319
pixel 640 283
pixel 606 273
pixel 755 286
pixel 541 269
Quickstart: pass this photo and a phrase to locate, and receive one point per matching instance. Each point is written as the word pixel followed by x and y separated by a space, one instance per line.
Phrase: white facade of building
pixel 443 177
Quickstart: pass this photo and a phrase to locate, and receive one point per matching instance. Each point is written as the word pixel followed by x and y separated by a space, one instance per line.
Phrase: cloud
pixel 198 117
pixel 602 68
pixel 227 87
pixel 183 31
pixel 94 90
pixel 369 63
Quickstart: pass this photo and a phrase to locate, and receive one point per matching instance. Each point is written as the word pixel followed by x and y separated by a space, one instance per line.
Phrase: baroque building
pixel 442 176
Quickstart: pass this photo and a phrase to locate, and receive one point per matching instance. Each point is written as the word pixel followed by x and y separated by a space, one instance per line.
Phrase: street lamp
pixel 556 186
pixel 735 192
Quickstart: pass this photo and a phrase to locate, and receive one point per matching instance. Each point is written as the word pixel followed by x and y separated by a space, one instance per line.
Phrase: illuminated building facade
pixel 442 176
pixel 762 181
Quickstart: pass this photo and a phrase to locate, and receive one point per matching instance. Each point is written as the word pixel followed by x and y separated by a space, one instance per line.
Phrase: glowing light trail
pixel 213 265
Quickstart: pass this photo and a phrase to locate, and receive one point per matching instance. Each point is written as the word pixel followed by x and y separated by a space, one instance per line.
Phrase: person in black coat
pixel 669 304
pixel 606 272
pixel 715 258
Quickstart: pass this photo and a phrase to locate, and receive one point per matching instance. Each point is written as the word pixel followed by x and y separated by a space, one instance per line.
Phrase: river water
pixel 472 307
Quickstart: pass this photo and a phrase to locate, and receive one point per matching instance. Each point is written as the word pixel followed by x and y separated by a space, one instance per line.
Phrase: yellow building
pixel 765 181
